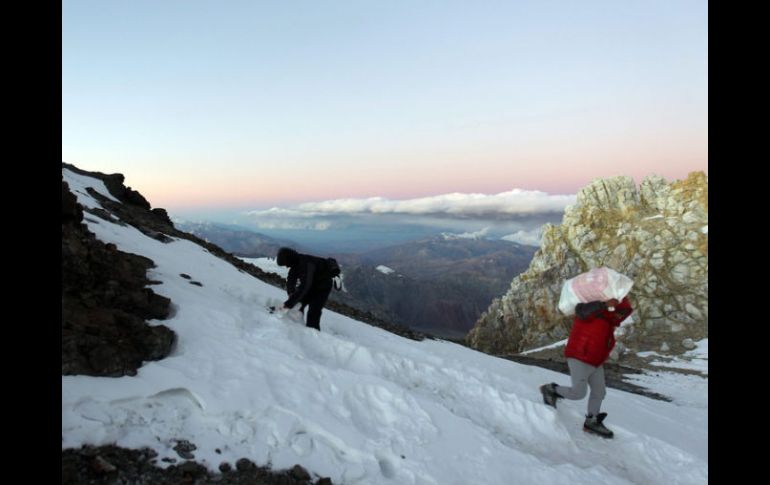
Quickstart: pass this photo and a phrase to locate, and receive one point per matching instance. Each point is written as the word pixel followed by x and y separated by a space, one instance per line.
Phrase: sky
pixel 250 105
pixel 358 404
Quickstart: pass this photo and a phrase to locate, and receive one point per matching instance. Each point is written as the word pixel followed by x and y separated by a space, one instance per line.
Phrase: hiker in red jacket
pixel 590 342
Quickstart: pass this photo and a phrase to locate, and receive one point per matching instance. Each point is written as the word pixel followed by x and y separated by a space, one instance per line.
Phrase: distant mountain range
pixel 443 256
pixel 438 285
pixel 237 240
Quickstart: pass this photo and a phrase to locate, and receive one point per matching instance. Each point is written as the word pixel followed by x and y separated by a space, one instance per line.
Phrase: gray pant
pixel 584 375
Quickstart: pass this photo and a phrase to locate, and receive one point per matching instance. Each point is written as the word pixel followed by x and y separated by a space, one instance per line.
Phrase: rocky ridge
pixel 105 302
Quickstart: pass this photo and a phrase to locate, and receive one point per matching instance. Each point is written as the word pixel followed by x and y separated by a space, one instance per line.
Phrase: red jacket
pixel 593 331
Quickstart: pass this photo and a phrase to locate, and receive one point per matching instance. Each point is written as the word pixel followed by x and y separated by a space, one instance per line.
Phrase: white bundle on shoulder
pixel 598 284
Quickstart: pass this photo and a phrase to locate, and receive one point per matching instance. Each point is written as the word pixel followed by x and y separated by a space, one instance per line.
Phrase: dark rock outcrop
pixel 115 465
pixel 105 303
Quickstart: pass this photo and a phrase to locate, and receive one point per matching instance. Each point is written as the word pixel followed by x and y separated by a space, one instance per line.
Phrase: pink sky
pixel 558 169
pixel 256 191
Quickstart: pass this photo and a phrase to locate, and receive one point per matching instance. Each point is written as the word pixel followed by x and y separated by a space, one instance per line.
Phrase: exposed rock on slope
pixel 105 303
pixel 656 234
pixel 113 465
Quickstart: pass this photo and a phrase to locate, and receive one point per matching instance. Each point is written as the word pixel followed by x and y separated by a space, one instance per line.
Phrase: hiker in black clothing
pixel 314 287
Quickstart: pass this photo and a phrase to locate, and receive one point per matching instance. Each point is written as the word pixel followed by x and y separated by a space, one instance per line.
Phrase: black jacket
pixel 307 270
pixel 584 311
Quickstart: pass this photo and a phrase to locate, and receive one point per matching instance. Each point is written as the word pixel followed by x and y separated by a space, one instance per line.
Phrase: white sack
pixel 598 284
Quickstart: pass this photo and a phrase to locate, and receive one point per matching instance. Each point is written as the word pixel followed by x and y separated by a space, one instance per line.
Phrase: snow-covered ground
pixel 356 403
pixel 268 265
pixel 695 359
pixel 560 343
pixel 384 269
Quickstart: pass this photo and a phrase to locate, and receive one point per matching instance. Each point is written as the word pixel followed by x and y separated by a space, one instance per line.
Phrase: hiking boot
pixel 549 394
pixel 594 425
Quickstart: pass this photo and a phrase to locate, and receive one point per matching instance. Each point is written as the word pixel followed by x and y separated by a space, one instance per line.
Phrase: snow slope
pixel 354 402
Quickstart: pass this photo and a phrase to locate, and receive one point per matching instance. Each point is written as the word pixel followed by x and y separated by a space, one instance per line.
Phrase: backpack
pixel 330 268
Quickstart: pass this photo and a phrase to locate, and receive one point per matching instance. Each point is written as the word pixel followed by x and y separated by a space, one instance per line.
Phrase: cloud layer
pixel 467 235
pixel 356 224
pixel 529 238
pixel 513 202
